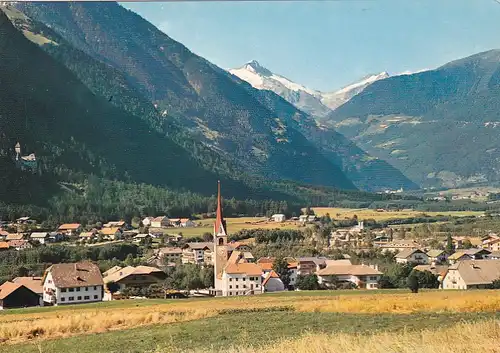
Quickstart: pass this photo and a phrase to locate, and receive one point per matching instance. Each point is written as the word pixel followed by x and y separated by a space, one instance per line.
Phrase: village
pixel 458 263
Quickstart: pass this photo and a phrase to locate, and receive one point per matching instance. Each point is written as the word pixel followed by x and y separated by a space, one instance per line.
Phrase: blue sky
pixel 328 44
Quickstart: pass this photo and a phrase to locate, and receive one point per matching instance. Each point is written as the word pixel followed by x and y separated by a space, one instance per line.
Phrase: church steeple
pixel 220 223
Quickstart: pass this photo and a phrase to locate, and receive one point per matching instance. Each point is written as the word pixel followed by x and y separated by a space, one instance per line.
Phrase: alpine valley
pixel 147 110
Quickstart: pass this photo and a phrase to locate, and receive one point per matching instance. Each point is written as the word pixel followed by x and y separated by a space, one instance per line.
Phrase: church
pixel 234 272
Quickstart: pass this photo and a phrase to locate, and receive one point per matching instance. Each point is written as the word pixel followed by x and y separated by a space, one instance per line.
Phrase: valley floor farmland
pixel 234 225
pixel 216 324
pixel 383 215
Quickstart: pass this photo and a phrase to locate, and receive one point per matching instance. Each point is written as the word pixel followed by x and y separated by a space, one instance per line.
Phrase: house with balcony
pixel 132 277
pixel 412 256
pixel 197 253
pixel 362 276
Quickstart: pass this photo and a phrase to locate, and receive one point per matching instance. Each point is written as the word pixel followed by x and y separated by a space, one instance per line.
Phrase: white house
pixel 272 282
pixel 241 279
pixel 278 217
pixel 364 277
pixel 472 274
pixel 41 237
pixel 160 222
pixel 186 222
pixel 146 222
pixel 414 256
pixel 72 283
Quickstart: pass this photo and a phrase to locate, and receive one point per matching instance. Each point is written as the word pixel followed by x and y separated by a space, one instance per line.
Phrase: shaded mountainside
pixel 439 127
pixel 70 129
pixel 190 90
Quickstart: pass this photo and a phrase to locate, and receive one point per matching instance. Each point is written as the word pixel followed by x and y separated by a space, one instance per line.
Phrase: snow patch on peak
pixel 367 80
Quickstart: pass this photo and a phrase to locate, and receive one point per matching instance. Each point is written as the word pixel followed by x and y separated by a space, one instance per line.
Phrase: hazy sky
pixel 328 44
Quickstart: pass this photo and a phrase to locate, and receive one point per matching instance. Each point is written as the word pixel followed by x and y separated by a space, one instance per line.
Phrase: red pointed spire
pixel 220 224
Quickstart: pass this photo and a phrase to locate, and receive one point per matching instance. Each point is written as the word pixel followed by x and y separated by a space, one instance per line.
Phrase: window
pixel 236 279
pixel 230 287
pixel 86 297
pixel 63 299
pixel 86 289
pixel 71 298
pixel 79 298
pixel 78 289
pixel 71 289
pixel 373 278
pixel 95 288
pixel 50 281
pixel 95 296
pixel 63 290
pixel 236 287
pixel 230 279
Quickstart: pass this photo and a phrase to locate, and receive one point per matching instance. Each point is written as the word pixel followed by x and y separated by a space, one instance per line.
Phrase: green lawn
pixel 240 329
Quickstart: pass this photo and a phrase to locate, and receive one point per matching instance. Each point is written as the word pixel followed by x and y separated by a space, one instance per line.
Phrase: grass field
pixel 365 213
pixel 214 324
pixel 234 225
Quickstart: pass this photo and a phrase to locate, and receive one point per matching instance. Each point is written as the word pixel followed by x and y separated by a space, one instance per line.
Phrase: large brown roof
pixel 200 245
pixel 33 283
pixel 129 270
pixel 8 288
pixel 247 268
pixel 110 231
pixel 4 245
pixel 478 271
pixel 79 274
pixel 356 270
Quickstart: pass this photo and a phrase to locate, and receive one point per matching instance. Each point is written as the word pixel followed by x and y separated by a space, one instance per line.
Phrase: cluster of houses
pixel 111 231
pixel 303 219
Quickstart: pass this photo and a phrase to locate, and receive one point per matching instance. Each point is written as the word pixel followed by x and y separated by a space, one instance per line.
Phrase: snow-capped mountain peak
pixel 309 100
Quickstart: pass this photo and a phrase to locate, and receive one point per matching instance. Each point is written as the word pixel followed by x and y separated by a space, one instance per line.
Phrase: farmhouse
pixel 413 256
pixel 492 243
pixel 437 256
pixel 170 255
pixel 399 245
pixel 160 222
pixel 133 277
pixel 458 256
pixel 364 277
pixel 16 295
pixel 33 283
pixel 41 237
pixel 115 224
pixel 278 217
pixel 186 222
pixel 113 233
pixel 197 253
pixel 472 274
pixel 88 235
pixel 72 283
pixel 70 228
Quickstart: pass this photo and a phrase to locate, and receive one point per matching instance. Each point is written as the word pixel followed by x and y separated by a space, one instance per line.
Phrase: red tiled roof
pixel 8 288
pixel 69 226
pixel 270 275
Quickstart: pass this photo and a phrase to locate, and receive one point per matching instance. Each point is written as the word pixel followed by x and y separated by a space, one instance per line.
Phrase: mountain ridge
pixel 220 111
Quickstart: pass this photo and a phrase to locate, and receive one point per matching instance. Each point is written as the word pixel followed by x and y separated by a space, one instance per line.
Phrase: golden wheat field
pixel 236 224
pixel 365 213
pixel 460 338
pixel 70 321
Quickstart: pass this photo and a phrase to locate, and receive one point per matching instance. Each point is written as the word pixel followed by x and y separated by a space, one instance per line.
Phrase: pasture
pixel 246 324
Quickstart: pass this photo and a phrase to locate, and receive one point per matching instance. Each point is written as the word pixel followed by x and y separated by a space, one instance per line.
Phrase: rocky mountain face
pixel 258 133
pixel 439 127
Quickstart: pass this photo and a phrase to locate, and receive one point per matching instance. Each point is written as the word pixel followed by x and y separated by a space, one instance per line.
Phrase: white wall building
pixel 72 283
